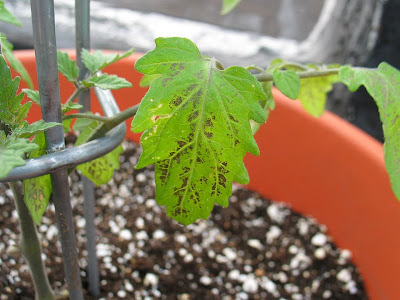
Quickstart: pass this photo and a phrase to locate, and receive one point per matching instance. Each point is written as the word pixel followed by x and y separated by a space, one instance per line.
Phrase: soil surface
pixel 254 249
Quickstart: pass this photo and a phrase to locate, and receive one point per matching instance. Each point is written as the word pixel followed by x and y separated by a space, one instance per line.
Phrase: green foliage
pixel 11 110
pixel 288 82
pixel 33 95
pixel 228 6
pixel 7 16
pixel 106 81
pixel 67 66
pixel 313 93
pixel 14 63
pixel 81 124
pixel 26 130
pixel 100 170
pixel 14 131
pixel 37 190
pixel 12 152
pixel 148 79
pixel 97 60
pixel 67 107
pixel 195 119
pixel 383 84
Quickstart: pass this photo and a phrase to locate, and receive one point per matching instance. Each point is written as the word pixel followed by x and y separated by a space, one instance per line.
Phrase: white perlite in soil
pixel 254 249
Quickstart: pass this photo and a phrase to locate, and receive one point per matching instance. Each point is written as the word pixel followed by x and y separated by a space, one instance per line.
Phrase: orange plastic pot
pixel 322 167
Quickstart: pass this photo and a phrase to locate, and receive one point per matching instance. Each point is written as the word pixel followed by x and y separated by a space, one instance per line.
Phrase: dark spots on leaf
pixel 232 118
pixel 208 123
pixel 176 102
pixel 221 180
pixel 203 180
pixel 184 182
pixel 199 75
pixel 237 142
pixel 165 81
pixel 199 160
pixel 195 197
pixel 163 168
pixel 181 143
pixel 193 116
pixel 190 88
pixel 178 211
pixel 209 135
pixel 191 135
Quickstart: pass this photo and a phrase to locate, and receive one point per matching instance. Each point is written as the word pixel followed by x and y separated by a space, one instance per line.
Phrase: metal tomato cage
pixel 59 158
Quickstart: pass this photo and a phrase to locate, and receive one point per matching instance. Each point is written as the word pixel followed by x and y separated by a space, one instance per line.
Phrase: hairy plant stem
pixel 86 116
pixel 30 246
pixel 76 93
pixel 305 74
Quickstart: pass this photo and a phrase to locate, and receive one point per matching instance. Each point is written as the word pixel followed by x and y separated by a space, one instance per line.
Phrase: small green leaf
pixel 228 6
pixel 29 130
pixel 67 107
pixel 383 84
pixel 107 82
pixel 148 79
pixel 196 127
pixel 82 123
pixel 288 82
pixel 313 93
pixel 86 132
pixel 97 60
pixel 33 95
pixel 15 63
pixel 37 190
pixel 7 16
pixel 67 66
pixel 101 170
pixel 11 111
pixel 12 152
pixel 67 125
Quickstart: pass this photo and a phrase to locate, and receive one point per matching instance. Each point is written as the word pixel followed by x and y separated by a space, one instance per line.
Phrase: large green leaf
pixel 12 152
pixel 11 111
pixel 37 190
pixel 228 6
pixel 7 48
pixel 97 60
pixel 196 127
pixel 7 16
pixel 383 84
pixel 67 66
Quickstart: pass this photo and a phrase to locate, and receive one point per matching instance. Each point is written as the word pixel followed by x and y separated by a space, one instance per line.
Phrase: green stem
pixel 30 246
pixel 305 74
pixel 113 122
pixel 76 93
pixel 86 116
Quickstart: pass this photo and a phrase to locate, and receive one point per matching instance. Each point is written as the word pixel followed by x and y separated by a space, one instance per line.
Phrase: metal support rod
pixel 46 63
pixel 82 37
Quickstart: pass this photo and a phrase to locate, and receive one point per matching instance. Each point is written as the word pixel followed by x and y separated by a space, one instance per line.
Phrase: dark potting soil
pixel 254 249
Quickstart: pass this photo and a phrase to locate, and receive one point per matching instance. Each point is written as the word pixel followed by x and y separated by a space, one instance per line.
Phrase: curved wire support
pixel 71 157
